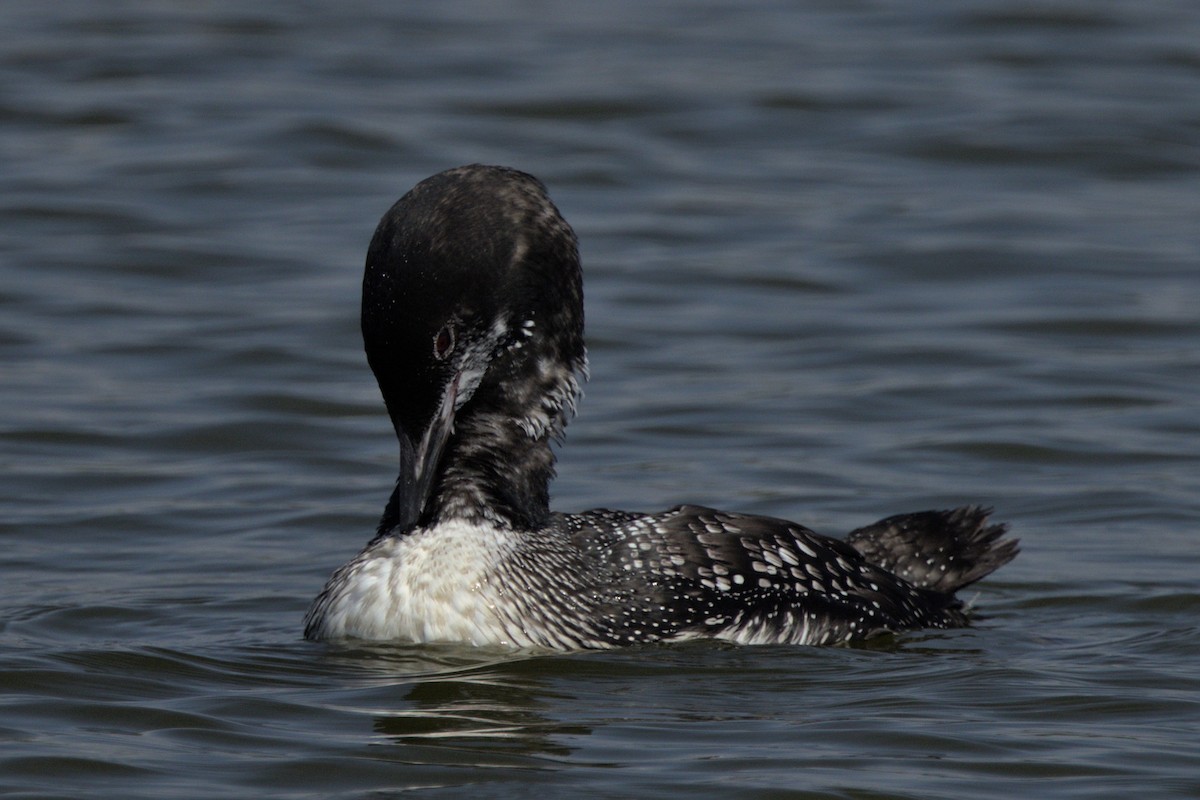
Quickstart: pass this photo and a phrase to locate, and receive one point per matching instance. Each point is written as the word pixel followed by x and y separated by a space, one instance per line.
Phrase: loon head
pixel 472 320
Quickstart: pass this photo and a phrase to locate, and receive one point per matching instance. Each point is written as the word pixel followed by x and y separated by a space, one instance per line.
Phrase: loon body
pixel 472 321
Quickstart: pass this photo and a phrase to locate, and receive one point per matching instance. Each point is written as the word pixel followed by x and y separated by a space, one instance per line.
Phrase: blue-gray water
pixel 842 260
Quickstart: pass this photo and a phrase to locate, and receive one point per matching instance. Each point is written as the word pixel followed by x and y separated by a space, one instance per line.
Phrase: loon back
pixel 472 321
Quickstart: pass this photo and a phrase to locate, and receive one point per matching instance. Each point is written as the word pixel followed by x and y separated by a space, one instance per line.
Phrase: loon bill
pixel 472 320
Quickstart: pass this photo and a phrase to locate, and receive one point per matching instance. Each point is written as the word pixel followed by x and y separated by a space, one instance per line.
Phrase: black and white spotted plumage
pixel 473 324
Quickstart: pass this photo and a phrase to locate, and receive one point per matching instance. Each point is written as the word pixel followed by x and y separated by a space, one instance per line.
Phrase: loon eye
pixel 443 343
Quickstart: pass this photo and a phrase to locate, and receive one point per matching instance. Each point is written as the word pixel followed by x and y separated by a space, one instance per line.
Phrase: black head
pixel 472 320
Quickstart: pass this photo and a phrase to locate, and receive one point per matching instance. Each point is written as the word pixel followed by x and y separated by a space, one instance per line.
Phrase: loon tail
pixel 939 550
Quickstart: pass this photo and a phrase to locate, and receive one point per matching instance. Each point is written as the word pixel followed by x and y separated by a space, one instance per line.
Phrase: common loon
pixel 472 320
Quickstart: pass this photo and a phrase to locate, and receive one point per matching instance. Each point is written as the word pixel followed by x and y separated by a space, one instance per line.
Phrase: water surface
pixel 841 261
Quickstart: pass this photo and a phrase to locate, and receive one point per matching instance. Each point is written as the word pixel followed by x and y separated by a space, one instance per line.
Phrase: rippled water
pixel 842 261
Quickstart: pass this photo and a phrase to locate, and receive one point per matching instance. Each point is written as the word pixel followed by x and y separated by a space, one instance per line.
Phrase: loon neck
pixel 498 463
pixel 494 473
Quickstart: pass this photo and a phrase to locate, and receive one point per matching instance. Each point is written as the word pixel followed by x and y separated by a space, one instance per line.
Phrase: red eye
pixel 443 343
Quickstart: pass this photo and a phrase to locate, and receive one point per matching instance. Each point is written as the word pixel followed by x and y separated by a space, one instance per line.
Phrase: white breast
pixel 431 585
